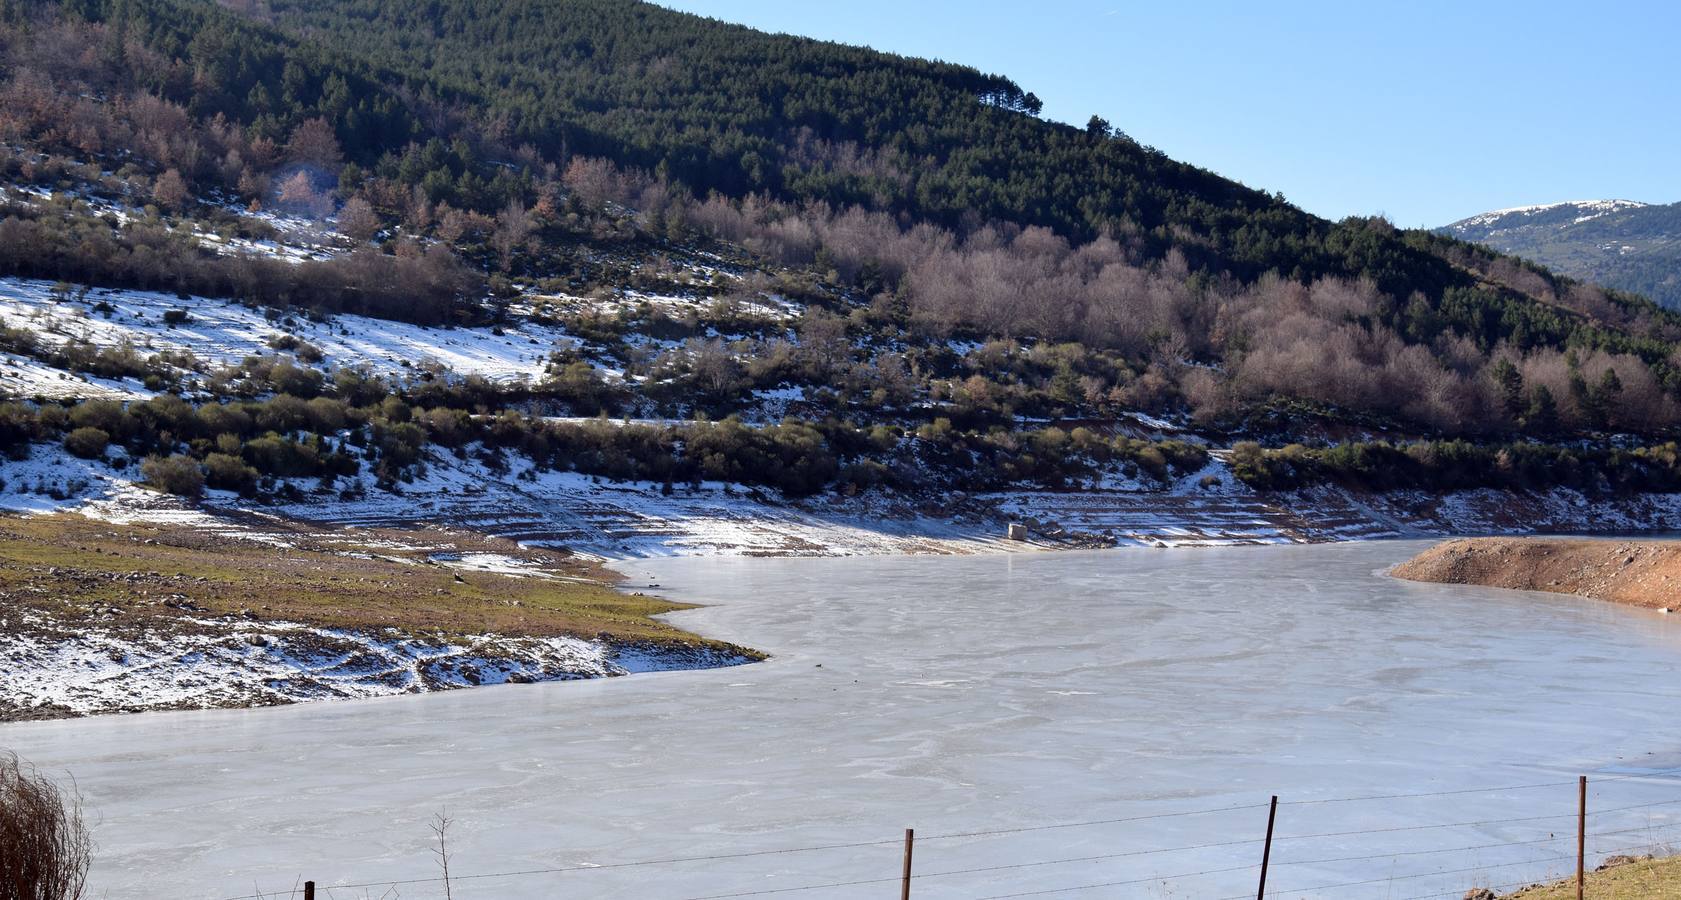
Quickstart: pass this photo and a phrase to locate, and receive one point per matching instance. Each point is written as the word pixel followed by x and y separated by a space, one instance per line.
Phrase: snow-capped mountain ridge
pixel 1586 209
pixel 1624 244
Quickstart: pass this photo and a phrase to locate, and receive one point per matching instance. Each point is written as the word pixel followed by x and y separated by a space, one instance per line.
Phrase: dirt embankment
pixel 1636 573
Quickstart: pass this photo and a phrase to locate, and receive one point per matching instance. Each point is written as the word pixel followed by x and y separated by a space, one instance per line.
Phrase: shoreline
pixel 113 618
pixel 602 519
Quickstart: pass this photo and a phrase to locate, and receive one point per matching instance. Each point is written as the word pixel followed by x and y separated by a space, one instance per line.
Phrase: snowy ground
pixel 222 332
pixel 630 520
pixel 21 376
pixel 238 662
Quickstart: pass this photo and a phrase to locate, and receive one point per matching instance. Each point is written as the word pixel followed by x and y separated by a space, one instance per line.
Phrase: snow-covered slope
pixel 222 332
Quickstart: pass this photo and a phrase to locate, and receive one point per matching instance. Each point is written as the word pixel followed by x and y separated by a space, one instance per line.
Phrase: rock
pixel 1622 859
pixel 1480 894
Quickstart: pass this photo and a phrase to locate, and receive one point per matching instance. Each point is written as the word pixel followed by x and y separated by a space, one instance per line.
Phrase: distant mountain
pixel 1617 243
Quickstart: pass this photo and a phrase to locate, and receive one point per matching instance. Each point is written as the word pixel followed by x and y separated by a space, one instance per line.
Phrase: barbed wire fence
pixel 1279 862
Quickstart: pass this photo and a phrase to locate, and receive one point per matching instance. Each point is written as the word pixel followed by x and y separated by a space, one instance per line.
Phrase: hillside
pixel 928 189
pixel 327 241
pixel 1621 244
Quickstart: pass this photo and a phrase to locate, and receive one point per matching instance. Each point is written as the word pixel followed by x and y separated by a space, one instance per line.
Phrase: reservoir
pixel 1092 724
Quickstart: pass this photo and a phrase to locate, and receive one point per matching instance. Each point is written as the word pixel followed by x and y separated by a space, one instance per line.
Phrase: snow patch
pixel 231 662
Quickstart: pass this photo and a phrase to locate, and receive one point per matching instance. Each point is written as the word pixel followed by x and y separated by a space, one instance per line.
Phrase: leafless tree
pixel 595 181
pixel 313 142
pixel 440 831
pixel 513 227
pixel 170 190
pixel 298 194
pixel 358 220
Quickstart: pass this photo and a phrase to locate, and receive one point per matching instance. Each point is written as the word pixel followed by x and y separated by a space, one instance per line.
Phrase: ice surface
pixel 953 695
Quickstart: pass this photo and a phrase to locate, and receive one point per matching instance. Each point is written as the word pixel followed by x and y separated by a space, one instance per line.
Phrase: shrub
pixel 283 414
pixel 44 847
pixel 178 475
pixel 87 443
pixel 106 415
pixel 287 378
pixel 229 473
pixel 18 426
pixel 272 454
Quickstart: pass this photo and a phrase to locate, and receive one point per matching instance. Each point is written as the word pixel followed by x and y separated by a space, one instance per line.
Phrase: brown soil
pixel 1636 573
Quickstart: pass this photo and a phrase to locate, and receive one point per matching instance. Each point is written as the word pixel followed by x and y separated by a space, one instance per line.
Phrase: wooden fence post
pixel 1581 836
pixel 905 889
pixel 309 890
pixel 1266 849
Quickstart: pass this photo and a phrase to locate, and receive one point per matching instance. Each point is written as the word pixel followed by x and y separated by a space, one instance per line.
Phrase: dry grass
pixel 72 567
pixel 1651 879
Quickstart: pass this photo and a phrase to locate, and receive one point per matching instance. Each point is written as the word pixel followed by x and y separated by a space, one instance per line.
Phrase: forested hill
pixel 721 107
pixel 715 106
pixel 480 152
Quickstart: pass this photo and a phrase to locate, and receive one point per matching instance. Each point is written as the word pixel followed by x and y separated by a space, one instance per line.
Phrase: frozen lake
pixel 1019 695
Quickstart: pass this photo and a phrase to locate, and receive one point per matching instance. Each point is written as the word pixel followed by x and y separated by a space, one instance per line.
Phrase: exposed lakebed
pixel 949 694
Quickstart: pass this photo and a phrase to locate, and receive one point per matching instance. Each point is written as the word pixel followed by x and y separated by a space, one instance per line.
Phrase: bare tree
pixel 170 190
pixel 513 227
pixel 595 181
pixel 44 847
pixel 823 342
pixel 314 143
pixel 358 220
pixel 440 830
pixel 298 194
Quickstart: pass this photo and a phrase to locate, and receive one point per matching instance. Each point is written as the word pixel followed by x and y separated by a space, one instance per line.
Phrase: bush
pixel 106 415
pixel 18 426
pixel 272 454
pixel 178 475
pixel 87 443
pixel 229 473
pixel 44 847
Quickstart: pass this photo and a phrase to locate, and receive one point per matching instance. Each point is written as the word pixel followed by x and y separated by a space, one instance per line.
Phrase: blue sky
pixel 1425 111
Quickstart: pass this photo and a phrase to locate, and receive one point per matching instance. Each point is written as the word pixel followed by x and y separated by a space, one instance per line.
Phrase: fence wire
pixel 1281 860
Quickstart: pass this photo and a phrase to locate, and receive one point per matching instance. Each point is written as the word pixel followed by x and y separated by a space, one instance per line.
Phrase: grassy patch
pixel 1649 879
pixel 76 568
